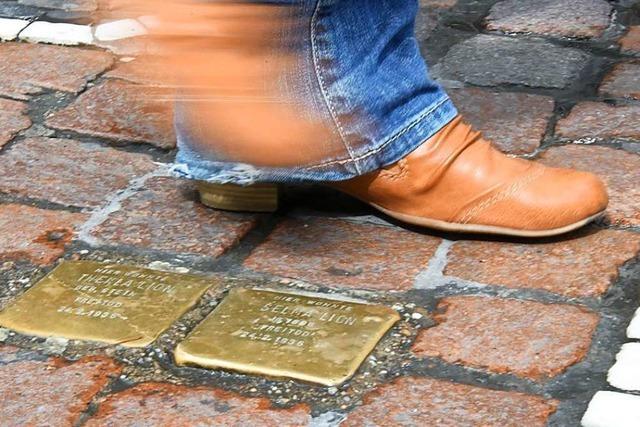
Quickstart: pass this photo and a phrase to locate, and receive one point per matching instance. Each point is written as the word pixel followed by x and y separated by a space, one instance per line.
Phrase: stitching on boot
pixel 503 195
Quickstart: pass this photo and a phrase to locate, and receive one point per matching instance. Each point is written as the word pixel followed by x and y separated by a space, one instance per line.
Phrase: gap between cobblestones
pixel 112 204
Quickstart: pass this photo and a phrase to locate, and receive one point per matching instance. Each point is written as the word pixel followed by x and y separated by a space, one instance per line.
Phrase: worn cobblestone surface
pixel 165 215
pixel 493 332
pixel 411 401
pixel 28 69
pixel 164 404
pixel 630 43
pixel 119 111
pixel 144 70
pixel 68 172
pixel 600 120
pixel 508 336
pixel 339 253
pixel 36 391
pixel 13 119
pixel 584 265
pixel 34 234
pixel 622 81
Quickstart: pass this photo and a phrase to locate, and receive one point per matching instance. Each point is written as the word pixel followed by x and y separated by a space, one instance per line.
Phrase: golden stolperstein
pixel 294 335
pixel 111 303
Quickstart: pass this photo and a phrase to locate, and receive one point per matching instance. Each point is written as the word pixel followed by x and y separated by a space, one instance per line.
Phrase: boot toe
pixel 568 197
pixel 558 199
pixel 591 194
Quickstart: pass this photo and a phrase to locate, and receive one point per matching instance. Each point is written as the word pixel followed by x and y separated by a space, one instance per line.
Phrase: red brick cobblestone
pixel 37 392
pixel 122 112
pixel 514 122
pixel 584 265
pixel 13 119
pixel 33 234
pixel 600 120
pixel 623 81
pixel 344 254
pixel 67 171
pixel 166 216
pixel 145 70
pixel 524 338
pixel 427 402
pixel 630 43
pixel 169 405
pixel 134 46
pixel 619 169
pixel 26 69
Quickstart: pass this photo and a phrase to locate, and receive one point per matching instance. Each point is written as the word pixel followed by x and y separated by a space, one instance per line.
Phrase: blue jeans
pixel 361 69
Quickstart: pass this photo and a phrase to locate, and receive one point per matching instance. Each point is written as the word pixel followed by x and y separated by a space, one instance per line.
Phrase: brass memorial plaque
pixel 303 336
pixel 109 303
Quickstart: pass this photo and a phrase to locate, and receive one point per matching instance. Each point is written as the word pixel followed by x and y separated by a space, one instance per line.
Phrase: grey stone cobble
pixel 13 9
pixel 486 60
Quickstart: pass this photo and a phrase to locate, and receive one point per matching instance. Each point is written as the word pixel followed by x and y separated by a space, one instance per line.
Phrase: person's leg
pixel 387 133
pixel 358 71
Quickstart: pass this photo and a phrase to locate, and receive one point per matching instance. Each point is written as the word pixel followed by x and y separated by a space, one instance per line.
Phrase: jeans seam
pixel 406 129
pixel 323 89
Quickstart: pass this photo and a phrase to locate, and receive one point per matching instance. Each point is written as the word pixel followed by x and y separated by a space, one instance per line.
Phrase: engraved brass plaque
pixel 109 303
pixel 304 336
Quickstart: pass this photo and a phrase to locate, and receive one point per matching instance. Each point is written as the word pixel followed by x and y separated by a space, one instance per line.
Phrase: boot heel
pixel 230 197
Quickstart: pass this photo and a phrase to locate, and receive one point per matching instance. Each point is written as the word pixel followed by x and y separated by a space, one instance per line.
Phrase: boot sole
pixel 485 229
pixel 264 198
pixel 236 198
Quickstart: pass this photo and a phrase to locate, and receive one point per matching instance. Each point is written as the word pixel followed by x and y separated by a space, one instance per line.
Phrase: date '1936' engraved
pixel 110 303
pixel 304 336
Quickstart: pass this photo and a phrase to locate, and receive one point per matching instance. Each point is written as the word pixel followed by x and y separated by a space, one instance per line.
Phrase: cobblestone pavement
pixel 493 332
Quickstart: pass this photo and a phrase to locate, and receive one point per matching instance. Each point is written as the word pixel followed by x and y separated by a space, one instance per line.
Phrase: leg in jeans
pixel 360 71
pixel 389 135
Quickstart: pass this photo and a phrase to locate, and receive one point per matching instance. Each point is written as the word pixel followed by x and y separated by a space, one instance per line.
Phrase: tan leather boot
pixel 456 181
